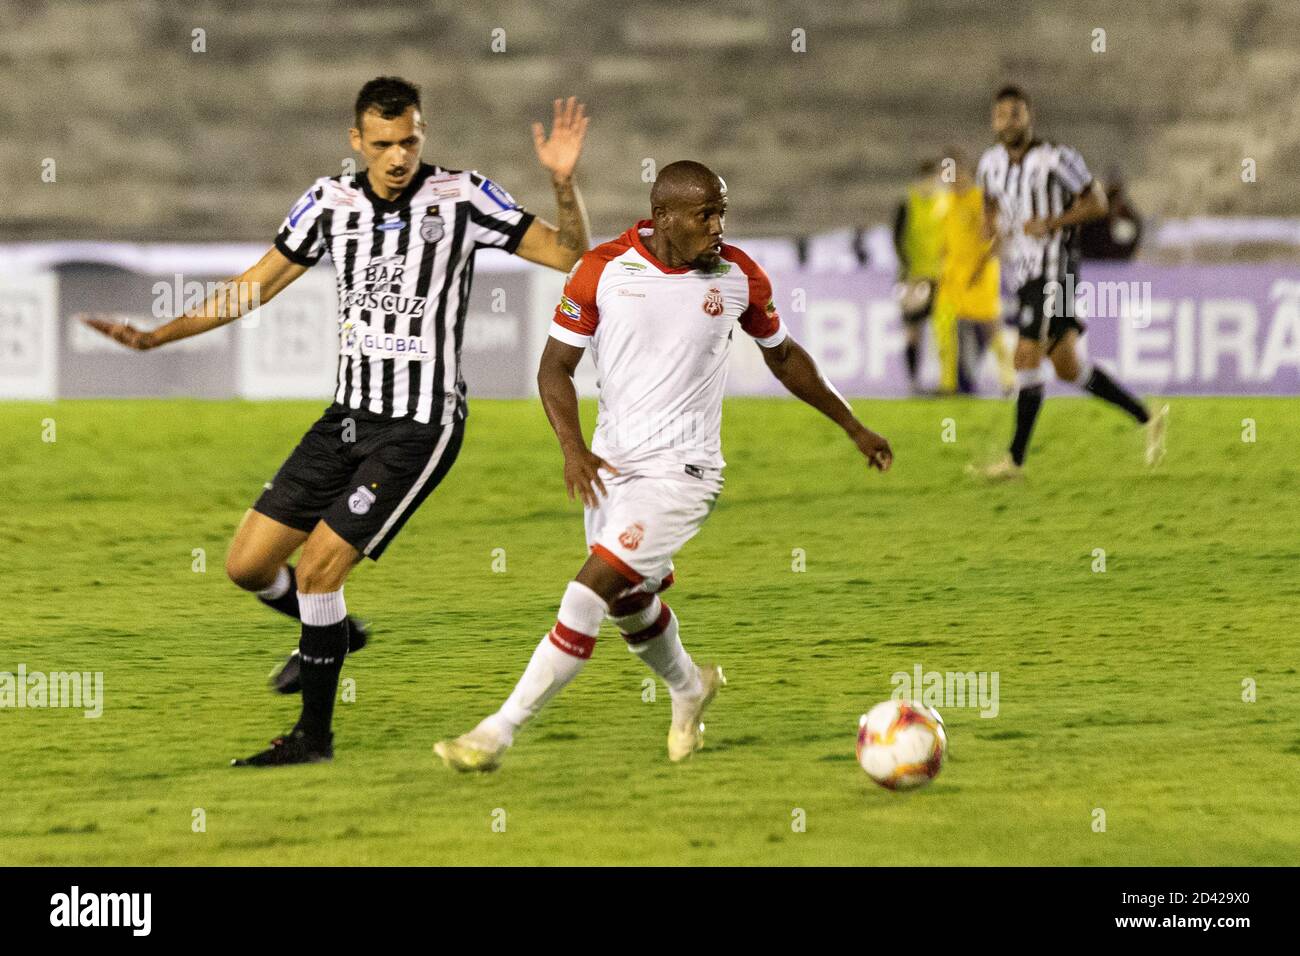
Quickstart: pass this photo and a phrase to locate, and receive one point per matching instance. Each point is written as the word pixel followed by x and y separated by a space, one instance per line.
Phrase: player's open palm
pixel 122 332
pixel 560 151
pixel 582 476
pixel 875 448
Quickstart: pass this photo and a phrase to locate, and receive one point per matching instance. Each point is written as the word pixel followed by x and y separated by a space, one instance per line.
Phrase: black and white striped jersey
pixel 404 270
pixel 1044 183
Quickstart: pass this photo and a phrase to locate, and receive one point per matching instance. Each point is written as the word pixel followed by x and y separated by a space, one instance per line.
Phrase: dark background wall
pixel 153 141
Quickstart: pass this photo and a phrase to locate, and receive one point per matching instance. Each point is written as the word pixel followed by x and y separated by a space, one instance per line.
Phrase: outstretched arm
pixel 562 245
pixel 796 370
pixel 560 399
pixel 231 300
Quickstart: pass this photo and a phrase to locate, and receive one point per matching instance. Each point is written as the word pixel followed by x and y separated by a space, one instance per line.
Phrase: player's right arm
pixel 299 245
pixel 575 321
pixel 231 300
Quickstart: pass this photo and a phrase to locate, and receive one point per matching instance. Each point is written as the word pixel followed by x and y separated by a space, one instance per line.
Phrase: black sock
pixel 322 650
pixel 912 355
pixel 1028 402
pixel 286 603
pixel 1107 389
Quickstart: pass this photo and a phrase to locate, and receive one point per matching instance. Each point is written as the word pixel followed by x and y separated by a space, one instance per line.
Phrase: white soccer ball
pixel 901 744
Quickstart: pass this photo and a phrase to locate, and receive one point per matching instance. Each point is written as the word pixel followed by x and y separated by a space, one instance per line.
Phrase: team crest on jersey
pixel 632 535
pixel 713 302
pixel 361 500
pixel 432 229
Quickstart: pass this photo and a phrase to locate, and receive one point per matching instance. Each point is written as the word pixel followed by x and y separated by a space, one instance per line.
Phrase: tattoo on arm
pixel 572 227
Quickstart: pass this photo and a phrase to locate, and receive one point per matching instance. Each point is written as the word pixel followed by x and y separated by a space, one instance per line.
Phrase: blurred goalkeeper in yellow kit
pixel 968 307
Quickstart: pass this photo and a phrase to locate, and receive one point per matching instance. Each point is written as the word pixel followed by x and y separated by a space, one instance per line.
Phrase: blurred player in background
pixel 402 235
pixel 918 240
pixel 970 286
pixel 657 307
pixel 1036 195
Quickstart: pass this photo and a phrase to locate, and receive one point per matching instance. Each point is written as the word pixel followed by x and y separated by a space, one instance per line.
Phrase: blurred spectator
pixel 968 309
pixel 1117 236
pixel 918 239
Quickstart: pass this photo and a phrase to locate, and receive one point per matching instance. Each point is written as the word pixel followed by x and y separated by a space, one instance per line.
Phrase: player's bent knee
pixel 630 604
pixel 1027 356
pixel 324 569
pixel 248 573
pixel 317 577
pixel 1067 371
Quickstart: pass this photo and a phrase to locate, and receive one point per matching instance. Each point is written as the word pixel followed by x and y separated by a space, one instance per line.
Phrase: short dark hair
pixel 391 96
pixel 1011 92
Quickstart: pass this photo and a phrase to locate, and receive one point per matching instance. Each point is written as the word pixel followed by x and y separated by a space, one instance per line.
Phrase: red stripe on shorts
pixel 617 563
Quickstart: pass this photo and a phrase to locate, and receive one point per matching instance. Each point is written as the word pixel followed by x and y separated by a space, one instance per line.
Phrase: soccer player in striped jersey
pixel 658 308
pixel 402 235
pixel 1036 195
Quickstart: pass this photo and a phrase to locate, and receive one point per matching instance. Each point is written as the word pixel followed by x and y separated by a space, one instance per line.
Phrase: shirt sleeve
pixel 1072 170
pixel 576 316
pixel 496 220
pixel 760 318
pixel 302 236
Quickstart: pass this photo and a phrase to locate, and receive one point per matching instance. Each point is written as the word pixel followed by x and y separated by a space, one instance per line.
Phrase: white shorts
pixel 645 520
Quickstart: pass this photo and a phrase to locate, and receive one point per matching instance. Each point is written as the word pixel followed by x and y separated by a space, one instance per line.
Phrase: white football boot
pixel 1003 470
pixel 686 733
pixel 480 750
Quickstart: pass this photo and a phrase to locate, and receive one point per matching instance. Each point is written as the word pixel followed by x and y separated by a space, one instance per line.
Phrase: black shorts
pixel 362 474
pixel 1045 318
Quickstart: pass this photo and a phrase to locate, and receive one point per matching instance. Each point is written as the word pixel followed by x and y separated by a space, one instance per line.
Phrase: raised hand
pixel 559 153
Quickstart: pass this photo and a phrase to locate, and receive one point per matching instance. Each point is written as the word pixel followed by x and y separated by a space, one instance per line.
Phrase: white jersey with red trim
pixel 660 338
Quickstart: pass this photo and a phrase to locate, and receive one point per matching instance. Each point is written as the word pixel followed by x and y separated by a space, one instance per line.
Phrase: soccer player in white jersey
pixel 402 235
pixel 657 307
pixel 1036 195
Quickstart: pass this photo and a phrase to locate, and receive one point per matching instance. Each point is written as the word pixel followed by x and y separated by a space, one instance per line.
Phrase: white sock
pixel 279 587
pixel 322 610
pixel 660 647
pixel 558 659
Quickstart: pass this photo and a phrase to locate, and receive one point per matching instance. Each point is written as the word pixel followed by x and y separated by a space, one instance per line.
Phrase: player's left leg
pixel 1095 380
pixel 652 632
pixel 944 319
pixel 972 342
pixel 326 561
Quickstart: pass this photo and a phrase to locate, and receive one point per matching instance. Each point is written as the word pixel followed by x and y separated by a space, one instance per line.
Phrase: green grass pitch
pixel 1119 691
